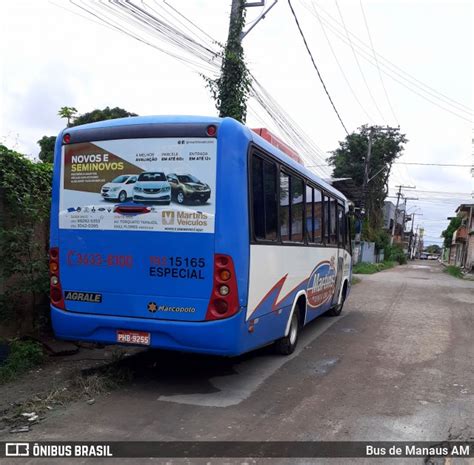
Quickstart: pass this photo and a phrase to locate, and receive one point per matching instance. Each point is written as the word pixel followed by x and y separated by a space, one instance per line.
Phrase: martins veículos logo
pixel 167 217
pixel 321 283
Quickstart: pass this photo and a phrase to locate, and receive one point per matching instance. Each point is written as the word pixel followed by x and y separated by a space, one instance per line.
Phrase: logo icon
pixel 152 307
pixel 167 217
pixel 17 449
pixel 321 284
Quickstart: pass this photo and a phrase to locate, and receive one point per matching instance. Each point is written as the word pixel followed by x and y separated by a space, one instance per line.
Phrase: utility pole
pixel 411 247
pixel 231 89
pixel 372 131
pixel 232 85
pixel 366 168
pixel 399 194
pixel 405 212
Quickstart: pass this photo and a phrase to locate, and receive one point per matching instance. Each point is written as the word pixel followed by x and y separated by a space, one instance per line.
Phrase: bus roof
pixel 183 119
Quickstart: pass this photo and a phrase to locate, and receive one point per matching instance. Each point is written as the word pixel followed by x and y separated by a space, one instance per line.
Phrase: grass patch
pixel 371 268
pixel 454 271
pixel 23 356
pixel 355 280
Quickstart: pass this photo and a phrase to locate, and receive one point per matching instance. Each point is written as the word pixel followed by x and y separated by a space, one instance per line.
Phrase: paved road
pixel 397 365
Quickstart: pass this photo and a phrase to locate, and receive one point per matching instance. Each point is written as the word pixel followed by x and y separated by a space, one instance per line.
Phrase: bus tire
pixel 287 344
pixel 122 197
pixel 337 309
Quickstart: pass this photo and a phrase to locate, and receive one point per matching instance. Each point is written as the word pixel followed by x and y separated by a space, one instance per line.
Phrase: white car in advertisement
pixel 120 188
pixel 152 187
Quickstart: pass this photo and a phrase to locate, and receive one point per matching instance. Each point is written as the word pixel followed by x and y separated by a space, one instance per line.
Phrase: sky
pixel 54 54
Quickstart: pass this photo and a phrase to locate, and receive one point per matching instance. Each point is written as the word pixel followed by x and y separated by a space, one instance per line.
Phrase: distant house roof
pixel 464 207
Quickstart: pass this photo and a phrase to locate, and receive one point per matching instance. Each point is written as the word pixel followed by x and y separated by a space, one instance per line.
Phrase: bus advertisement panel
pixel 171 179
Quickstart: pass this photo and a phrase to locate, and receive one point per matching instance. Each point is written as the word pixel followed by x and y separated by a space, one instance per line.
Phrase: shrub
pixel 371 268
pixel 395 253
pixel 26 189
pixel 454 271
pixel 23 356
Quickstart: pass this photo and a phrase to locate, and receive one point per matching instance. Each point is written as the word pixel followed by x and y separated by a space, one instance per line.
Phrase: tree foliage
pixel 434 249
pixel 450 230
pixel 348 161
pixel 101 115
pixel 68 113
pixel 46 144
pixel 231 89
pixel 26 192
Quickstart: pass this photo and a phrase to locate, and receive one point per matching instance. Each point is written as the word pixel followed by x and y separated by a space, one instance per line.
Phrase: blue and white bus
pixel 256 246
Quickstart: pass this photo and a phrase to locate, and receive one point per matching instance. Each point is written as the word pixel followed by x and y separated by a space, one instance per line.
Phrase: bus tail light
pixel 224 300
pixel 211 130
pixel 55 290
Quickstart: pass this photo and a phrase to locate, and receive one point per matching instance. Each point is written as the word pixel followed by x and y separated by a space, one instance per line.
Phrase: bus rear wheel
pixel 287 344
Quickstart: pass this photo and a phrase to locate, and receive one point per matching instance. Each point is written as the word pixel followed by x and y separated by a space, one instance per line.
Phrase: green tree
pixel 434 249
pixel 46 144
pixel 348 161
pixel 26 188
pixel 101 115
pixel 449 231
pixel 68 113
pixel 231 89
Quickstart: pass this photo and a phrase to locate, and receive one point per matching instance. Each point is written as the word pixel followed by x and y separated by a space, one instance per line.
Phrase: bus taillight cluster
pixel 55 291
pixel 224 300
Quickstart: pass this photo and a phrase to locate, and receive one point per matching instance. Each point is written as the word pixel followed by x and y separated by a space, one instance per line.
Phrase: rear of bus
pixel 139 267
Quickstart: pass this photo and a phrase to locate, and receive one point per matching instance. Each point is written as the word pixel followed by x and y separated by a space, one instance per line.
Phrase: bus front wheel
pixel 287 344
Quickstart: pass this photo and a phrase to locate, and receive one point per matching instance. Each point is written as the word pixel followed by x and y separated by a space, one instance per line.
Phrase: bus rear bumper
pixel 220 337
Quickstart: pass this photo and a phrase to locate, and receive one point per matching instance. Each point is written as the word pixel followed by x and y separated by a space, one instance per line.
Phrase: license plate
pixel 133 337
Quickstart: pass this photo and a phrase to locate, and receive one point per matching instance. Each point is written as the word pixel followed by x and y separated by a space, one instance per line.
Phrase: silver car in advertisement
pixel 152 187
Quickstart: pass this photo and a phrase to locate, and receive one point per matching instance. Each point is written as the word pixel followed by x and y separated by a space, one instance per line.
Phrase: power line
pixel 425 164
pixel 432 164
pixel 357 61
pixel 392 70
pixel 377 61
pixel 403 74
pixel 342 70
pixel 197 53
pixel 315 66
pixel 442 192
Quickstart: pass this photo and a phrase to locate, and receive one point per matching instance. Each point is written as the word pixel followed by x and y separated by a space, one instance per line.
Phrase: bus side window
pixel 340 226
pixel 270 200
pixel 318 216
pixel 284 206
pixel 297 189
pixel 326 220
pixel 332 222
pixel 309 214
pixel 264 199
pixel 348 235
